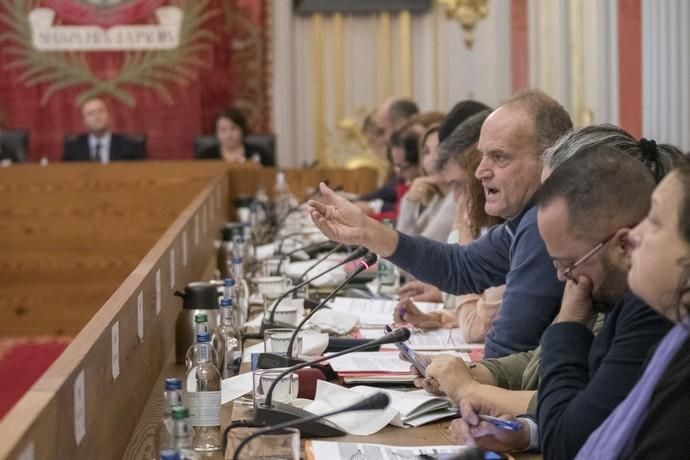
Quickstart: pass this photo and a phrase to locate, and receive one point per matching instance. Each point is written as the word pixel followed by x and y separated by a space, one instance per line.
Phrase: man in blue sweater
pixel 512 141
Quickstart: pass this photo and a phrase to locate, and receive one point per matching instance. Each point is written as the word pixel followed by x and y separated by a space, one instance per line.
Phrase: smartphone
pixel 418 362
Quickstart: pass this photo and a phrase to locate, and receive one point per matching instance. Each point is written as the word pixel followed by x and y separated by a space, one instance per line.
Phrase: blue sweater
pixel 513 254
pixel 584 377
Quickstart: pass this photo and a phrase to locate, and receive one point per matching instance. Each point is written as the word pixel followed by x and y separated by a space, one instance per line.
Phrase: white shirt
pixel 104 151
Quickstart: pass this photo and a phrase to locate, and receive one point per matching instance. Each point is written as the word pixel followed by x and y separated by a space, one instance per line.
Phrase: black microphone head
pixel 376 401
pixel 398 335
pixel 356 254
pixel 370 259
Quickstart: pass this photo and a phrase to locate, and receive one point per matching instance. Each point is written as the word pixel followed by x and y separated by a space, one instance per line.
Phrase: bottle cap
pixel 237 260
pixel 173 384
pixel 227 303
pixel 229 281
pixel 180 412
pixel 169 454
pixel 239 239
pixel 200 318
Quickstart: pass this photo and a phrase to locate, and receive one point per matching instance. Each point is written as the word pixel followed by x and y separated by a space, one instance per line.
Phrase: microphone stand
pixel 303 248
pixel 271 412
pixel 270 322
pixel 273 360
pixel 369 259
pixel 321 259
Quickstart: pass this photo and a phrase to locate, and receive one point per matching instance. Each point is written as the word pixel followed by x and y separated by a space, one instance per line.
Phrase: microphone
pixel 286 237
pixel 321 259
pixel 273 360
pixel 272 413
pixel 269 322
pixel 303 248
pixel 377 401
pixel 364 264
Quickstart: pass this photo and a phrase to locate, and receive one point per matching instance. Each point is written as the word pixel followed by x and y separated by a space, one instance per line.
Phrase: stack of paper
pixel 438 339
pixel 369 367
pixel 375 312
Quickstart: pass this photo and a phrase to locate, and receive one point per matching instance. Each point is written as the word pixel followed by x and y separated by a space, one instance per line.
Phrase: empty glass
pixel 277 340
pixel 285 391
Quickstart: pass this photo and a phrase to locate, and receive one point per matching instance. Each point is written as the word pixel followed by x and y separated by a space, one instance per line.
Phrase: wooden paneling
pixel 69 235
pixel 45 415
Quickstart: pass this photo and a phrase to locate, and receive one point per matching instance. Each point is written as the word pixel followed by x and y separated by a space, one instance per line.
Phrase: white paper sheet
pixel 375 312
pixel 236 386
pixel 361 423
pixel 370 362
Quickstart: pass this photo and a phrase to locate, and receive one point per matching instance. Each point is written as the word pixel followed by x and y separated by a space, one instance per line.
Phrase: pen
pixel 512 425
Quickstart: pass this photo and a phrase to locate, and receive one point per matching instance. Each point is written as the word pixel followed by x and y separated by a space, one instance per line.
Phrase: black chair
pixel 140 141
pixel 265 142
pixel 18 141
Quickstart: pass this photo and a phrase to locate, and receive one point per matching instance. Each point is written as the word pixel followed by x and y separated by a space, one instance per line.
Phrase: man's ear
pixel 621 246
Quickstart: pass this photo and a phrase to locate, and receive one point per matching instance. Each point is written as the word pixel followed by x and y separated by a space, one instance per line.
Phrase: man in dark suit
pixel 100 144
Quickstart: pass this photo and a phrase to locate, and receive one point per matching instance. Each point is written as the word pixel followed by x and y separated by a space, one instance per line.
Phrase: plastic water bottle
pixel 227 341
pixel 203 394
pixel 173 398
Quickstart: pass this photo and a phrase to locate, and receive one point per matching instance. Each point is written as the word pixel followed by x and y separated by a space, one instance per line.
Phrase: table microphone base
pixel 275 360
pixel 281 412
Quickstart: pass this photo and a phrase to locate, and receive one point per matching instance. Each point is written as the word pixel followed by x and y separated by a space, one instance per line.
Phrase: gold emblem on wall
pixel 468 13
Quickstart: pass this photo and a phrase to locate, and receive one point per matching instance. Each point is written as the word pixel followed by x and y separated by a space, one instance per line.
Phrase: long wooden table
pixel 97 252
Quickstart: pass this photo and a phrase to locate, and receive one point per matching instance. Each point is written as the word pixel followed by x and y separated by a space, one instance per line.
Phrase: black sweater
pixel 583 377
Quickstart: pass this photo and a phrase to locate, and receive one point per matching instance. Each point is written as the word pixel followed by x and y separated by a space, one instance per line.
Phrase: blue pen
pixel 512 425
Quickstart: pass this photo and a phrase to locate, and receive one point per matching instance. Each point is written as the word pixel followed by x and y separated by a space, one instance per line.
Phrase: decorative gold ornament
pixel 347 146
pixel 467 13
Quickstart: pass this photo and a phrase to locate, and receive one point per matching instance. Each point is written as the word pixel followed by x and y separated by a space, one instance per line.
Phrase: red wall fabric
pixel 630 65
pixel 240 46
pixel 519 44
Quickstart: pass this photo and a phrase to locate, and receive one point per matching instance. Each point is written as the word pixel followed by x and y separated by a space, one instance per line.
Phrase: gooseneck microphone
pixel 377 401
pixel 268 360
pixel 319 260
pixel 364 264
pixel 306 247
pixel 272 413
pixel 360 252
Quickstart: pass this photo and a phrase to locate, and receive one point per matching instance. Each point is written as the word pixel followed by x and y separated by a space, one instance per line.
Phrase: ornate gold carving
pixel 468 13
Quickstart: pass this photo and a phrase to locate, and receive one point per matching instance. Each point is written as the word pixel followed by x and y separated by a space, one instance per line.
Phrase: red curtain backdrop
pixel 236 71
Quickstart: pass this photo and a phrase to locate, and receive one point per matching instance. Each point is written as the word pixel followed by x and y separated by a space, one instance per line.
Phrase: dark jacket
pixel 122 148
pixel 250 152
pixel 584 377
pixel 387 193
pixel 511 253
pixel 665 432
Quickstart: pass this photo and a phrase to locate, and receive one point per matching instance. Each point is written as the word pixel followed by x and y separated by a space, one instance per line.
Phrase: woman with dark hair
pixel 428 207
pixel 231 130
pixel 653 421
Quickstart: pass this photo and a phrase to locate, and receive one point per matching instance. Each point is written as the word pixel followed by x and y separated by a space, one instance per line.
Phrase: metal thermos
pixel 197 297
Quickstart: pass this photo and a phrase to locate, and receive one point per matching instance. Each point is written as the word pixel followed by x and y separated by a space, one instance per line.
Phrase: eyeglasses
pixel 568 271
